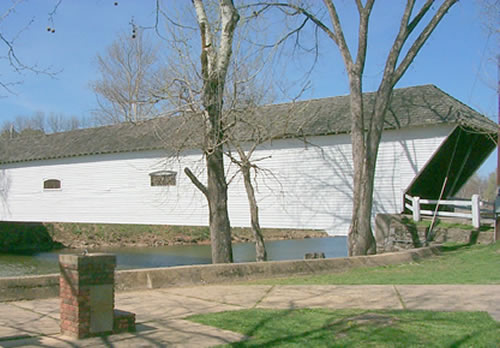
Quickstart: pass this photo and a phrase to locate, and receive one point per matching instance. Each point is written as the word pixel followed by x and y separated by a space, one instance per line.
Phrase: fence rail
pixel 471 209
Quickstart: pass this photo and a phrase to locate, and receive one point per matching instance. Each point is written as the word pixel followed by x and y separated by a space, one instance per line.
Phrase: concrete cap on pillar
pixel 76 260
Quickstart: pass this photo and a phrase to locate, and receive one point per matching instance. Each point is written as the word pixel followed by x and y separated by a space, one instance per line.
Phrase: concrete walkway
pixel 160 312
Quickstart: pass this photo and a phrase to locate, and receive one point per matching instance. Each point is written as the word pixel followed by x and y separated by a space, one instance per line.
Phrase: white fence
pixel 470 209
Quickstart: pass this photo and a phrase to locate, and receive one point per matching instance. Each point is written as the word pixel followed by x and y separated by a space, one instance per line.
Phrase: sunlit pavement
pixel 160 312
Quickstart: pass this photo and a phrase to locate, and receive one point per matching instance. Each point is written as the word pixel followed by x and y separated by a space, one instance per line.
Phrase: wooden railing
pixel 468 209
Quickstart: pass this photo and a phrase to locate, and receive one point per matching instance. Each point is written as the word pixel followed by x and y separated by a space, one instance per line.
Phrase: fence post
pixel 476 211
pixel 416 208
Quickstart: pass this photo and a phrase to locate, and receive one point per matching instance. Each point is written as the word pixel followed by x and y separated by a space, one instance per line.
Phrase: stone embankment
pixel 394 232
pixel 36 287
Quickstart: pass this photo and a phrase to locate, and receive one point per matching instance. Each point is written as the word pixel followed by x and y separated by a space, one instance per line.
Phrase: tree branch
pixel 364 15
pixel 419 16
pixel 398 44
pixel 300 10
pixel 207 42
pixel 230 18
pixel 195 181
pixel 339 33
pixel 359 4
pixel 422 38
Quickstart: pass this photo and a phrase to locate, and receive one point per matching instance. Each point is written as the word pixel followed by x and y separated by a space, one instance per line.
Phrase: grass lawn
pixel 356 328
pixel 458 264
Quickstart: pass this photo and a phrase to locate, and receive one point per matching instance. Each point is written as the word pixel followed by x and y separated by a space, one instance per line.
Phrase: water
pixel 130 258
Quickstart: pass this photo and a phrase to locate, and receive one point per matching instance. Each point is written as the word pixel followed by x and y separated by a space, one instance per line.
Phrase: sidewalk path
pixel 160 312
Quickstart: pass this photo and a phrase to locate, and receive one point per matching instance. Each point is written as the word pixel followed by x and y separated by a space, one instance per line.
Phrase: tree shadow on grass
pixel 391 328
pixel 458 246
pixel 454 247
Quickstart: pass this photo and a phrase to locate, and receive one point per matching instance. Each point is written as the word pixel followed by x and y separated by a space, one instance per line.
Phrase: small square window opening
pixel 51 184
pixel 163 178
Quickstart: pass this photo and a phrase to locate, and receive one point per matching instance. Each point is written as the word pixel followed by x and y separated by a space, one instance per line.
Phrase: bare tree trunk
pixel 360 239
pixel 366 135
pixel 220 228
pixel 260 248
pixel 215 60
pixel 216 194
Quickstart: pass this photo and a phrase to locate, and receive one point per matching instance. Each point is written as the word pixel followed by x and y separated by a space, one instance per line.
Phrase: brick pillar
pixel 87 294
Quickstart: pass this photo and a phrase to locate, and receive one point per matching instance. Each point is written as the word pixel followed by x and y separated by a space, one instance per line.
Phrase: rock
pixel 319 255
pixel 396 232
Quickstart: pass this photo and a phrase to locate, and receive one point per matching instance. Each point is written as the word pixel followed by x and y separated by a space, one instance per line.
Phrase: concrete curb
pixel 29 287
pixel 46 286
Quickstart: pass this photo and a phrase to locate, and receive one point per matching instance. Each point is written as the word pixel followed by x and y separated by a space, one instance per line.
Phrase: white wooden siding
pixel 310 185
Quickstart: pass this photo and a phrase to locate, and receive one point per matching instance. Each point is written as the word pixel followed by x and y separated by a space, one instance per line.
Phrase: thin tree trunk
pixel 260 248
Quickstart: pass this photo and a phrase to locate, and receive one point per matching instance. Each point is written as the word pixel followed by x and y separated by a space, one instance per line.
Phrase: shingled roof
pixel 410 107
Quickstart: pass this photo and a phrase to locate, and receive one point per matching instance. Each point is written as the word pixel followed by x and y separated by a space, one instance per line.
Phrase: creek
pixel 175 255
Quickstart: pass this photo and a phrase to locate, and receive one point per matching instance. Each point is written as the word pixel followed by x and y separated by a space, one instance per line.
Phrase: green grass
pixel 356 328
pixel 458 264
pixel 447 225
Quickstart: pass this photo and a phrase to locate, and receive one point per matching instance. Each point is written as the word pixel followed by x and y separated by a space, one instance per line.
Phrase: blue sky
pixel 458 58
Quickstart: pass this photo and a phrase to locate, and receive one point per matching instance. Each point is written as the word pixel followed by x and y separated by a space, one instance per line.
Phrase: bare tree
pixel 366 131
pixel 24 126
pixel 248 90
pixel 252 129
pixel 215 100
pixel 475 185
pixel 8 41
pixel 39 124
pixel 489 11
pixel 127 73
pixel 197 89
pixel 58 122
pixel 485 187
pixel 246 165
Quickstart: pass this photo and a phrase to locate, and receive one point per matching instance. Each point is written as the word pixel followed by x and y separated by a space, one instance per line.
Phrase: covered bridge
pixel 133 173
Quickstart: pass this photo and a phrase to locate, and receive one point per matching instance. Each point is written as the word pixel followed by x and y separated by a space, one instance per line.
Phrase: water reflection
pixel 177 255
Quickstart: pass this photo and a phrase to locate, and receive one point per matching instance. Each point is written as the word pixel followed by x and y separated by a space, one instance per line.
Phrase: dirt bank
pixel 116 235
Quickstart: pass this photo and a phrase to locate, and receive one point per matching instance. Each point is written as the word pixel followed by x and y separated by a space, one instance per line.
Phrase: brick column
pixel 87 294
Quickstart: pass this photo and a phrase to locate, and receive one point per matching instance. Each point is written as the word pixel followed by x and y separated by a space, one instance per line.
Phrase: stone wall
pixel 33 287
pixel 394 232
